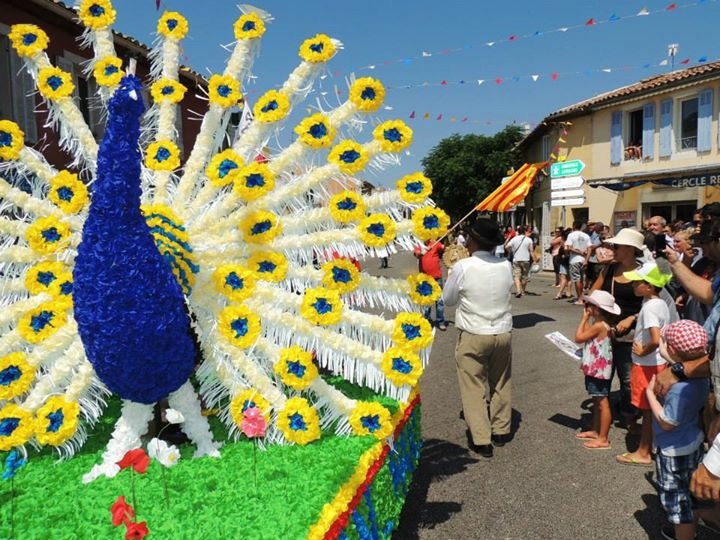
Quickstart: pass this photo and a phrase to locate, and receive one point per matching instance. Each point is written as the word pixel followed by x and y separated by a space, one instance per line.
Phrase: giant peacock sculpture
pixel 109 273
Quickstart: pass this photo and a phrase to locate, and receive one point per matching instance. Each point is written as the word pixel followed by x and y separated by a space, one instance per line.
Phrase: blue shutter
pixel 616 138
pixel 666 109
pixel 648 137
pixel 704 120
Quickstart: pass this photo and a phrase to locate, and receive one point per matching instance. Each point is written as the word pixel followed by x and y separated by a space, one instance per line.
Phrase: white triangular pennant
pixel 426 53
pixel 490 43
pixel 535 77
pixel 607 70
pixel 480 81
pixel 643 11
pixel 663 63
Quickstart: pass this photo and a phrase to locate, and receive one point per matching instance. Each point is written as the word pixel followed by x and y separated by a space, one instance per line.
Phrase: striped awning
pixel 514 190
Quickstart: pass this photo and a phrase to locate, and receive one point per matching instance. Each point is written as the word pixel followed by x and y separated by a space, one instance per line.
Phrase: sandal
pixel 626 458
pixel 605 447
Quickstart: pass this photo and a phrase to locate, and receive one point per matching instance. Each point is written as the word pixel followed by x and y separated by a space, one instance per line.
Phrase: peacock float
pixel 222 280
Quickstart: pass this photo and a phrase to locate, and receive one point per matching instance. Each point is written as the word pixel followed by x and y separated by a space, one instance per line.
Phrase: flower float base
pixel 338 487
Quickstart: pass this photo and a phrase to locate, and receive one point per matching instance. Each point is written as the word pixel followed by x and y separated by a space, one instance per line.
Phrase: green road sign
pixel 566 168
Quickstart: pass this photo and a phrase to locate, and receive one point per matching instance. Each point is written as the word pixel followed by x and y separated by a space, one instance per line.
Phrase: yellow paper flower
pixel 316 49
pixel 271 107
pixel 16 427
pixel 108 71
pixel 244 401
pixel 249 26
pixel 371 418
pixel 44 277
pixel 239 326
pixel 341 275
pixel 412 331
pixel 424 289
pixel 414 188
pixel 377 230
pixel 349 156
pixel 224 166
pixel 234 281
pixel 43 321
pixel 299 421
pixel 47 235
pixel 56 421
pixel 401 366
pixel 68 192
pixel 430 223
pixel 253 181
pixel 315 131
pixel 54 83
pixel 346 206
pixel 260 227
pixel 268 265
pixel 162 156
pixel 393 135
pixel 16 375
pixel 322 306
pixel 224 91
pixel 167 90
pixel 172 25
pixel 28 39
pixel 96 14
pixel 296 368
pixel 367 94
pixel 12 140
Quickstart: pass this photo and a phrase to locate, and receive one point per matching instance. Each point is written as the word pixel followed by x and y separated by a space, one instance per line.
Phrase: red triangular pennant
pixel 464 119
pixel 686 61
pixel 671 7
pixel 512 38
pixel 554 76
pixel 157 4
pixel 439 117
pixel 498 81
pixel 412 114
pixel 443 83
pixel 590 22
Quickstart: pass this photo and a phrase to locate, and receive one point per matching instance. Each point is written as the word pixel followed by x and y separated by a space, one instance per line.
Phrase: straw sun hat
pixel 602 299
pixel 627 237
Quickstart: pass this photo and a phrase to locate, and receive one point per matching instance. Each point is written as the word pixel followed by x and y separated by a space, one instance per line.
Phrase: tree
pixel 465 169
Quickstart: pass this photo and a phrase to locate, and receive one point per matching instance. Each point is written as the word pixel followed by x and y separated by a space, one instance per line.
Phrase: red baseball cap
pixel 686 336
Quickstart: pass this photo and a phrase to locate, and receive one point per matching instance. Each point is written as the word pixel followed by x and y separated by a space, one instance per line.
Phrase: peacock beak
pixel 133 95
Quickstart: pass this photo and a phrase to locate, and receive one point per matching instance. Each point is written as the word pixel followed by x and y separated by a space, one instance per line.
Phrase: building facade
pixel 650 148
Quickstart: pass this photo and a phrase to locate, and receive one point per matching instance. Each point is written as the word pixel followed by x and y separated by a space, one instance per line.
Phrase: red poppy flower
pixel 136 531
pixel 121 511
pixel 137 459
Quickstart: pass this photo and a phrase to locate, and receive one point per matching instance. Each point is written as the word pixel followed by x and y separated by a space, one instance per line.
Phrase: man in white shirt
pixel 521 246
pixel 577 245
pixel 480 285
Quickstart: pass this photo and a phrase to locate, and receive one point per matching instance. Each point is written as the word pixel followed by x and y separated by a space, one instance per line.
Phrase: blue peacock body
pixel 128 305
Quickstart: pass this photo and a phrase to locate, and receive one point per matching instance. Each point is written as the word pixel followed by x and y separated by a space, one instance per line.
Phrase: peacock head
pixel 127 99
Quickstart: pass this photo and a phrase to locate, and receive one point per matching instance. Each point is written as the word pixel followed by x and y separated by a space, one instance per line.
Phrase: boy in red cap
pixel 677 430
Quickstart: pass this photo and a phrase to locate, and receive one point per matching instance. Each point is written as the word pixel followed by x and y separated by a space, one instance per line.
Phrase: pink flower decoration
pixel 253 423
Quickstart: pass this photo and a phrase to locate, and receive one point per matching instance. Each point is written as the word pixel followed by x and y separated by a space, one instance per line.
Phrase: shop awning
pixel 514 190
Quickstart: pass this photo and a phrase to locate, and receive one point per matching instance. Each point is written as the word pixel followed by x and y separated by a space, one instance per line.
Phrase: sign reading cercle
pixel 566 168
pixel 569 182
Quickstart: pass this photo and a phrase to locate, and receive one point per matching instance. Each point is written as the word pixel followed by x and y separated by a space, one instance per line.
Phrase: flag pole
pixel 451 229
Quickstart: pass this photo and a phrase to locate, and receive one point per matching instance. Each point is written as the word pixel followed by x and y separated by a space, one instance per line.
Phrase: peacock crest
pixel 112 269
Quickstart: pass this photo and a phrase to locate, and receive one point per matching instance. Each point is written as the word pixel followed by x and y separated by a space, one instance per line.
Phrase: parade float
pixel 220 292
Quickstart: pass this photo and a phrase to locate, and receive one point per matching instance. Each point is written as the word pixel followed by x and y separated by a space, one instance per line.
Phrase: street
pixel 543 484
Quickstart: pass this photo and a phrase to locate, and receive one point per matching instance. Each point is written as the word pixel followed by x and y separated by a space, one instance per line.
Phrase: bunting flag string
pixel 589 23
pixel 465 119
pixel 553 76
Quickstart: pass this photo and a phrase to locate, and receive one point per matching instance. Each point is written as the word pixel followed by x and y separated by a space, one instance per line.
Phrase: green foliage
pixel 465 169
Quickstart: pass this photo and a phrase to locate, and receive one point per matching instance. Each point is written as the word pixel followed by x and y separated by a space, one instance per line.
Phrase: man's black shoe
pixel 485 450
pixel 500 440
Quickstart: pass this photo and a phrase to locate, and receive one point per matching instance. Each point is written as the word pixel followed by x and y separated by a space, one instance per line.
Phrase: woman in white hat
pixel 628 247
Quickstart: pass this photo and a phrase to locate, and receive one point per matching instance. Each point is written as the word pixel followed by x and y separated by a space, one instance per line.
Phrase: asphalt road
pixel 543 484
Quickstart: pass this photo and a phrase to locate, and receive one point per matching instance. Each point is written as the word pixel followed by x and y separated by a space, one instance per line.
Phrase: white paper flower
pixel 167 454
pixel 173 416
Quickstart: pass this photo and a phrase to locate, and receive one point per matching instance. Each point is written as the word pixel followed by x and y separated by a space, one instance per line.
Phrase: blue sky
pixel 376 32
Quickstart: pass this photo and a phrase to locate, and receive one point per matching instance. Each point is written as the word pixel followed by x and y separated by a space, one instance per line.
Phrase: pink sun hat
pixel 602 299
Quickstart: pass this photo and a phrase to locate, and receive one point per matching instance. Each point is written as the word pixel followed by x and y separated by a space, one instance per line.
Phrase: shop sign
pixel 701 180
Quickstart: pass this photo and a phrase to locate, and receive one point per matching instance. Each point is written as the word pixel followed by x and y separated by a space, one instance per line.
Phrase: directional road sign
pixel 568 182
pixel 568 202
pixel 566 168
pixel 567 193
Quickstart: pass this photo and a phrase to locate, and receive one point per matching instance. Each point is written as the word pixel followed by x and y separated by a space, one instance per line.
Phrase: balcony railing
pixel 688 143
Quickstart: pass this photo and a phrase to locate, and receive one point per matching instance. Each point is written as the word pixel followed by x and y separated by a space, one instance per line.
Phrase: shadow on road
pixel 438 459
pixel 528 320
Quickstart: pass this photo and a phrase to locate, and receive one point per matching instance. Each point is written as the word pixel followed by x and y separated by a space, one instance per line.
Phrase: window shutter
pixel 704 120
pixel 666 109
pixel 648 136
pixel 97 124
pixel 616 138
pixel 179 128
pixel 23 98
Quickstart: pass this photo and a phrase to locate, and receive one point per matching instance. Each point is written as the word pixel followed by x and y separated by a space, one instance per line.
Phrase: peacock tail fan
pixel 253 244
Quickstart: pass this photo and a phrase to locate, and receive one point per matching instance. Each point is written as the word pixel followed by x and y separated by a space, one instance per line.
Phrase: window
pixel 633 141
pixel 85 94
pixel 545 148
pixel 671 211
pixel 688 124
pixel 17 98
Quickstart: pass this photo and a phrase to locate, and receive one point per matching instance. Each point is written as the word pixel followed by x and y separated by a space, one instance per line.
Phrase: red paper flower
pixel 121 511
pixel 136 531
pixel 137 459
pixel 253 423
